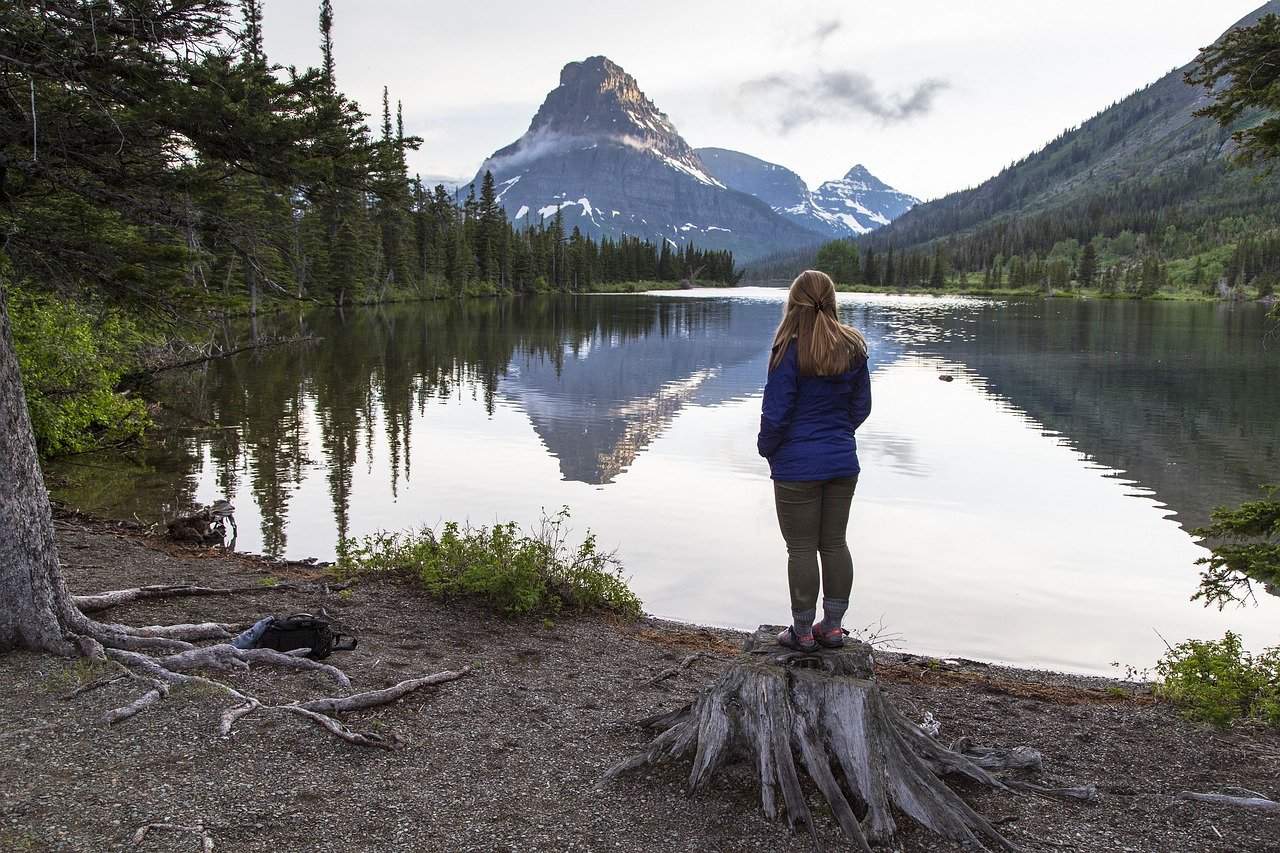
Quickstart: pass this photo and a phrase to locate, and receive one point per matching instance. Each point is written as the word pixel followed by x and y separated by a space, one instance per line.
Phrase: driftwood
pixel 205 526
pixel 775 704
pixel 1251 800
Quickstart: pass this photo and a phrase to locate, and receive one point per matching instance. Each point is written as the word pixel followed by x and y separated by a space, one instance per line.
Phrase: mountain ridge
pixel 600 154
pixel 854 204
pixel 1146 145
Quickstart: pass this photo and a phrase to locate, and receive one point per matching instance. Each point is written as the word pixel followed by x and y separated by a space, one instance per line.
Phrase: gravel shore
pixel 509 757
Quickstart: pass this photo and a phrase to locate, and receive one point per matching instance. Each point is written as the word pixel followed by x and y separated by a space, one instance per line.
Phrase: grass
pixel 513 572
pixel 62 679
pixel 632 286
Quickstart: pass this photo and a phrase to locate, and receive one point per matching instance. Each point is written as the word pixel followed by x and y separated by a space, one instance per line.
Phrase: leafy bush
pixel 512 571
pixel 71 359
pixel 1217 681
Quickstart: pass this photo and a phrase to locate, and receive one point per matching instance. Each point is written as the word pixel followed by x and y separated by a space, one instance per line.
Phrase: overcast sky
pixel 931 95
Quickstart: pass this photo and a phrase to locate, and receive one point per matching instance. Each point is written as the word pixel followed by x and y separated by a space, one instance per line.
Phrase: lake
pixel 1032 511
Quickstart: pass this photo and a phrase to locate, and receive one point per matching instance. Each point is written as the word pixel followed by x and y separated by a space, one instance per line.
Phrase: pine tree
pixel 938 270
pixel 326 45
pixel 491 222
pixel 1088 265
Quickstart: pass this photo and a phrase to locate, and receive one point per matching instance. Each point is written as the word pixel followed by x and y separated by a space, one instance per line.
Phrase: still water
pixel 1033 511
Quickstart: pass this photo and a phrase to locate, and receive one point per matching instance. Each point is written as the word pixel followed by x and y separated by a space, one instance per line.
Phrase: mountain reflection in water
pixel 640 412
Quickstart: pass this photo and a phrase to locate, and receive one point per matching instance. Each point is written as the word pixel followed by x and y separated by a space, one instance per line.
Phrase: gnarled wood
pixel 117 597
pixel 862 754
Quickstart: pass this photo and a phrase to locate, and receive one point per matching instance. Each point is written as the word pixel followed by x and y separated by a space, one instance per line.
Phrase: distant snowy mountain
pixel 857 203
pixel 861 201
pixel 603 155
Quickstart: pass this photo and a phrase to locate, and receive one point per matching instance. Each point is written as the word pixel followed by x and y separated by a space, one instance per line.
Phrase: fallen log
pixel 864 756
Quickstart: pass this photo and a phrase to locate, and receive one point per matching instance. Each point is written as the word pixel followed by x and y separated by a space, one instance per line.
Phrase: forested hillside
pixel 146 187
pixel 1144 195
pixel 302 201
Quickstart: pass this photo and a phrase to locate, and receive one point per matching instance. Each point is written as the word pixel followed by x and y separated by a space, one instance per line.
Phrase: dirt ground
pixel 509 758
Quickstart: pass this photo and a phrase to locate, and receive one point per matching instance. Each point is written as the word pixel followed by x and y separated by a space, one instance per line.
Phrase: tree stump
pixel 826 707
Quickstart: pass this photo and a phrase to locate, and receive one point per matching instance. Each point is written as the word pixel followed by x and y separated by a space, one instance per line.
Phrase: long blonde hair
pixel 825 346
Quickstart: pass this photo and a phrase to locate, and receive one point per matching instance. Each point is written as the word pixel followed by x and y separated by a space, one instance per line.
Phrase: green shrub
pixel 71 359
pixel 513 572
pixel 1217 681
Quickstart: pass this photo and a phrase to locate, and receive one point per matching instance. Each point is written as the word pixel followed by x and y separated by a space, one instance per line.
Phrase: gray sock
pixel 802 622
pixel 833 610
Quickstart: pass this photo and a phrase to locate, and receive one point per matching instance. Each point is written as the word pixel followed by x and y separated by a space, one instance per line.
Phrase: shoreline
pixel 549 706
pixel 939 662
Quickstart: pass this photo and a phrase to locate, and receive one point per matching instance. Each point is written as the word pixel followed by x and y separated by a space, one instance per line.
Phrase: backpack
pixel 304 631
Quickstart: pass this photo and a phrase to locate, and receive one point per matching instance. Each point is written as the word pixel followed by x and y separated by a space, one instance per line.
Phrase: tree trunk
pixel 824 712
pixel 33 598
pixel 37 612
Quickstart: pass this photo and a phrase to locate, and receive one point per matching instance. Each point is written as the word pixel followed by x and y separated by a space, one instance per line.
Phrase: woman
pixel 817 395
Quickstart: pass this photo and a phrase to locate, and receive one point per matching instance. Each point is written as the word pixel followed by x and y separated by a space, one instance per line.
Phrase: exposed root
pixel 161 638
pixel 123 646
pixel 206 840
pixel 292 661
pixel 1083 793
pixel 999 758
pixel 227 657
pixel 674 671
pixel 160 679
pixel 373 698
pixel 234 713
pixel 162 673
pixel 774 704
pixel 1252 800
pixel 336 727
pixel 93 685
pixel 117 597
pixel 159 690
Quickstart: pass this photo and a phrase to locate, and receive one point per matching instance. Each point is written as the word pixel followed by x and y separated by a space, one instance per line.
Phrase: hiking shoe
pixel 829 638
pixel 791 640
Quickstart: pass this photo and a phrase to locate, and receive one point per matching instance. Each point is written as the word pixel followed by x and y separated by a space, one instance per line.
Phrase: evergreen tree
pixel 1088 265
pixel 938 270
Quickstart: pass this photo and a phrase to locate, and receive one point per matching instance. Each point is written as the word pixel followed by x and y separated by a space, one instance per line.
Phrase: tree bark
pixel 784 711
pixel 34 603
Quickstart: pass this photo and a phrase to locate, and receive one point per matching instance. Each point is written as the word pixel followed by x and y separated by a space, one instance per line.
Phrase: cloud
pixel 824 30
pixel 534 145
pixel 540 143
pixel 788 101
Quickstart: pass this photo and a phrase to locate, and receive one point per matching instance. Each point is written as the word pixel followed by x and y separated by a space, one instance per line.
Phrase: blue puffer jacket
pixel 807 423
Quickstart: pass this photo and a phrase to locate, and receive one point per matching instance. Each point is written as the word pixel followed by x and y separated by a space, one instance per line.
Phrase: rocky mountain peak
pixel 600 155
pixel 597 99
pixel 860 177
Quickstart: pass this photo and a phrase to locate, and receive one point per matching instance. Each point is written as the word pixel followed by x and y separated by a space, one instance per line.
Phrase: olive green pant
pixel 813 517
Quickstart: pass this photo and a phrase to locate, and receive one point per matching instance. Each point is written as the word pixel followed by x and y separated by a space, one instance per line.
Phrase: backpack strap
pixel 343 643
